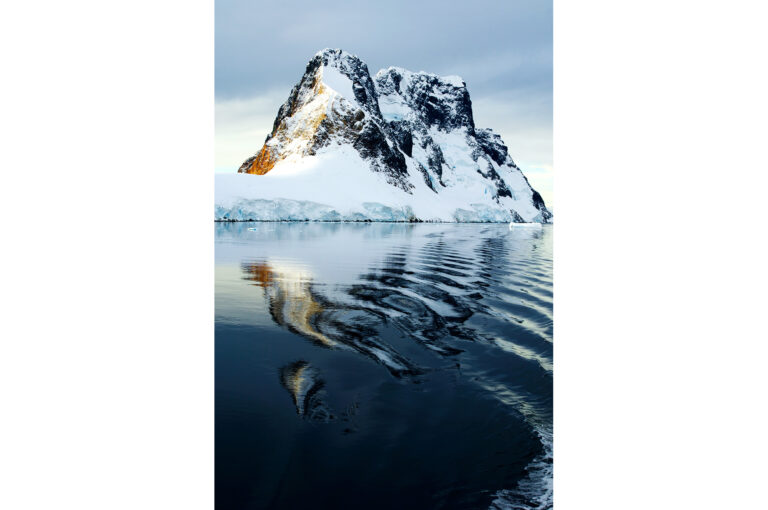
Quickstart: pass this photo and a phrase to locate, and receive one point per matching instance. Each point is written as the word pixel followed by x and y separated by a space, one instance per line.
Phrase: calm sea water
pixel 383 366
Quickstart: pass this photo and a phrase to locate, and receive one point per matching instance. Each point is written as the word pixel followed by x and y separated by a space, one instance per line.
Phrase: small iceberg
pixel 524 225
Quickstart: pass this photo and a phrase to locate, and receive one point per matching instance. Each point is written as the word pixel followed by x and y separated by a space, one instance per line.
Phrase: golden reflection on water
pixel 304 384
pixel 297 383
pixel 291 302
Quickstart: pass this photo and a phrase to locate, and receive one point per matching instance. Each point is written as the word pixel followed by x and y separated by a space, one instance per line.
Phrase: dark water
pixel 383 366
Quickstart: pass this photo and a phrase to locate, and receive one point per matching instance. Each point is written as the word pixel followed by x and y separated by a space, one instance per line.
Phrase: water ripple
pixel 462 298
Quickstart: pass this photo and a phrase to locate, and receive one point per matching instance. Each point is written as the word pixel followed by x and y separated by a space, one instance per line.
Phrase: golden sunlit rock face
pixel 295 134
pixel 334 103
pixel 263 163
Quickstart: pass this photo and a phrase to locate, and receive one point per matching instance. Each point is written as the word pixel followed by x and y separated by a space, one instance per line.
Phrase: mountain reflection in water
pixel 306 387
pixel 290 300
pixel 460 318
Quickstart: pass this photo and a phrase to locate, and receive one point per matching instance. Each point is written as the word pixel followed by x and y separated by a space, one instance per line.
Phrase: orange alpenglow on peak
pixel 263 163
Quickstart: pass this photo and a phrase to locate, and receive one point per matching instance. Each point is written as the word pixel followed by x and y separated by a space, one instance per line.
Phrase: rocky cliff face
pixel 415 130
pixel 316 115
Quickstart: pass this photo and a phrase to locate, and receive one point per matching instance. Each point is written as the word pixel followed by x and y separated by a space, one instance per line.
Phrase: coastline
pixel 384 221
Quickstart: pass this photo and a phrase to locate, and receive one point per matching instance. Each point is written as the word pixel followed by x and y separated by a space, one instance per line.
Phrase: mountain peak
pixel 392 71
pixel 414 131
pixel 443 101
pixel 335 55
pixel 345 62
pixel 346 75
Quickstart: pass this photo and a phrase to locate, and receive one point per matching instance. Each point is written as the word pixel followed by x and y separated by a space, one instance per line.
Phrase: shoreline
pixel 407 222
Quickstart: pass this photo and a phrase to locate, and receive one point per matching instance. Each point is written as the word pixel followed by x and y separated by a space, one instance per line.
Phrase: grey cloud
pixel 493 45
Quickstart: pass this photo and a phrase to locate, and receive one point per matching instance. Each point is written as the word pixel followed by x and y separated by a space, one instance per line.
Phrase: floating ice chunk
pixel 514 225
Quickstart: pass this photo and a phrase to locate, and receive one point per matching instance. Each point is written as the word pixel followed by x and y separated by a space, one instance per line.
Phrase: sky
pixel 501 48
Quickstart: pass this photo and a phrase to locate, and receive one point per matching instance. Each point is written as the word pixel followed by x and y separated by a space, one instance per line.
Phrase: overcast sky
pixel 501 48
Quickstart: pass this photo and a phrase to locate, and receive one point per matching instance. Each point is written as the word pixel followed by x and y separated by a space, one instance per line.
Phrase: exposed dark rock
pixel 516 218
pixel 372 145
pixel 435 159
pixel 402 135
pixel 492 145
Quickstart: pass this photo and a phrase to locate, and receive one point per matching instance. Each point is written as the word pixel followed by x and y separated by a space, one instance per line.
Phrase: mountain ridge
pixel 415 130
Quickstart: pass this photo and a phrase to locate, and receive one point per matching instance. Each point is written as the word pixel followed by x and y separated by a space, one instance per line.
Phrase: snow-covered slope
pixel 399 147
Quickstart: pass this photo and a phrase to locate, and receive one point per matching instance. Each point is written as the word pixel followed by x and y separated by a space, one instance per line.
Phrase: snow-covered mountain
pixel 401 146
